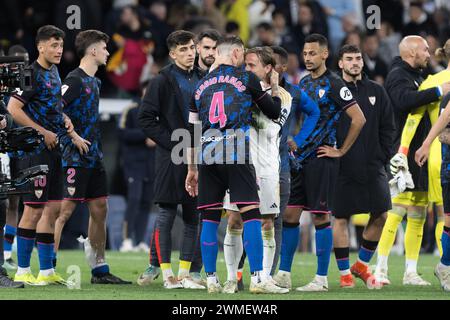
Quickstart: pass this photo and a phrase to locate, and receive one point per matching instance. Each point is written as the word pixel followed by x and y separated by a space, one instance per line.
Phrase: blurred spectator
pixel 293 73
pixel 420 23
pixel 308 23
pixel 11 29
pixel 260 11
pixel 210 11
pixel 389 40
pixel 283 32
pixel 135 42
pixel 441 18
pixel 139 160
pixel 434 65
pixel 374 66
pixel 237 11
pixel 335 11
pixel 264 36
pixel 232 29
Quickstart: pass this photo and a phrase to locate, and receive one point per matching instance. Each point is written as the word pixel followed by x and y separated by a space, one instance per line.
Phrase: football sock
pixel 253 244
pixel 367 250
pixel 232 250
pixel 8 240
pixel 45 245
pixel 445 259
pixel 413 240
pixel 324 244
pixel 100 269
pixel 289 243
pixel 394 218
pixel 183 269
pixel 438 233
pixel 343 260
pixel 209 245
pixel 269 246
pixel 25 244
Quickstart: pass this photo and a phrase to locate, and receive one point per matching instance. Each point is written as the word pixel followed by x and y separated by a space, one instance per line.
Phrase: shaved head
pixel 415 51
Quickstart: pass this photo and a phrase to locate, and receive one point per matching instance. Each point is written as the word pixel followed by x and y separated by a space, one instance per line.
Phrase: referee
pixel 362 184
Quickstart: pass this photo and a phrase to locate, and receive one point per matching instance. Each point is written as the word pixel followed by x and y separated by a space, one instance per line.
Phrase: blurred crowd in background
pixel 139 28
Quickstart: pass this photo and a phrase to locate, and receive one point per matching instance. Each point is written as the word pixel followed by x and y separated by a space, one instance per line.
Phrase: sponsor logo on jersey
pixel 64 88
pixel 345 94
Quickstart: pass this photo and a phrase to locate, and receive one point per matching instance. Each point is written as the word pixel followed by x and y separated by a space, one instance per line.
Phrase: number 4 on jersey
pixel 217 110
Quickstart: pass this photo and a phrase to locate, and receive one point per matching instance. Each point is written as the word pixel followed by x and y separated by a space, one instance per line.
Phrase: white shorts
pixel 269 196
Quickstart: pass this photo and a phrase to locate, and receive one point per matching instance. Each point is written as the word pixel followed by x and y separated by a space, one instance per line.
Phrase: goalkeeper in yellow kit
pixel 418 199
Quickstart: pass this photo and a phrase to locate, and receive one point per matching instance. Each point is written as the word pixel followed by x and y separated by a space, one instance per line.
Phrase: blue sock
pixel 367 250
pixel 209 246
pixel 342 258
pixel 25 244
pixel 445 259
pixel 55 258
pixel 100 270
pixel 253 244
pixel 8 240
pixel 45 245
pixel 324 243
pixel 289 243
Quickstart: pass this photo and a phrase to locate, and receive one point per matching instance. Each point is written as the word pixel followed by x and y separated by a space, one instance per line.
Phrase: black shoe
pixel 108 278
pixel 7 283
pixel 240 285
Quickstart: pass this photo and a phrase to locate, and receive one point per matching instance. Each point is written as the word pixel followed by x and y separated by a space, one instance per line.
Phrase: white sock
pixel 232 249
pixel 282 272
pixel 411 266
pixel 167 273
pixel 21 271
pixel 269 245
pixel 382 263
pixel 322 279
pixel 344 272
pixel 212 279
pixel 47 272
pixel 257 277
pixel 7 255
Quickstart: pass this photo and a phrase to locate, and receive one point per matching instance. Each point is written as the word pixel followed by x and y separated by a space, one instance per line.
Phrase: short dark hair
pixel 47 32
pixel 230 40
pixel 179 37
pixel 265 55
pixel 265 25
pixel 348 48
pixel 85 38
pixel 17 50
pixel 316 37
pixel 212 34
pixel 232 26
pixel 281 52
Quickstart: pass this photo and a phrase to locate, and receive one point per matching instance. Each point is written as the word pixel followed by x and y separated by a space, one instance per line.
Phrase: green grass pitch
pixel 130 265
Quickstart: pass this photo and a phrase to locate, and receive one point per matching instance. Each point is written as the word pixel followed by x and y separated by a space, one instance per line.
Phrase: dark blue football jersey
pixel 81 94
pixel 223 101
pixel 333 97
pixel 445 166
pixel 43 102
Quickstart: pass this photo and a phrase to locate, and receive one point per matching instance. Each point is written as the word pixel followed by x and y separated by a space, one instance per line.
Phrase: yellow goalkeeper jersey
pixel 434 160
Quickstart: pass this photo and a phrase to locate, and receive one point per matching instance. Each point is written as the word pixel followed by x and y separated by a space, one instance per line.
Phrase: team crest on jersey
pixel 38 193
pixel 372 100
pixel 321 93
pixel 415 82
pixel 64 88
pixel 71 190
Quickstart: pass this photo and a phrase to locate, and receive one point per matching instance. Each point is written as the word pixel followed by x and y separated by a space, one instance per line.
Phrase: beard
pixel 351 73
pixel 208 61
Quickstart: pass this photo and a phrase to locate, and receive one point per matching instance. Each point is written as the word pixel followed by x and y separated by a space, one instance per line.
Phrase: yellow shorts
pixel 360 219
pixel 434 173
pixel 412 198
